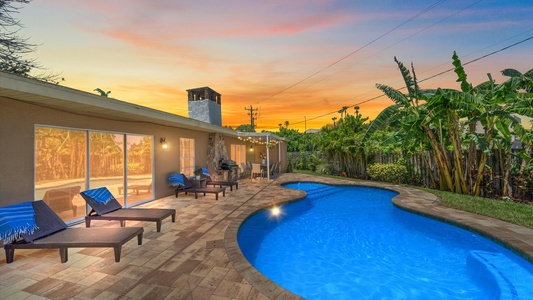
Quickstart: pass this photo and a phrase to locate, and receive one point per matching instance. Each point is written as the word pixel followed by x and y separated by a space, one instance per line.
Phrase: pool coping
pixel 514 237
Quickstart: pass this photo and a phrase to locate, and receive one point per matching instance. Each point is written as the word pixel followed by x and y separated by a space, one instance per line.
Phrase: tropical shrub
pixel 313 162
pixel 393 173
pixel 327 169
pixel 302 163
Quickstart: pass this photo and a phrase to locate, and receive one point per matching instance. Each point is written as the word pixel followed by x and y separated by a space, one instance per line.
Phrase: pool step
pixel 322 191
pixel 514 282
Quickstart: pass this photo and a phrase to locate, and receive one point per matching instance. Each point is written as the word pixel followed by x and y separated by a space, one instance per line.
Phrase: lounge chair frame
pixel 220 183
pixel 54 233
pixel 113 211
pixel 190 188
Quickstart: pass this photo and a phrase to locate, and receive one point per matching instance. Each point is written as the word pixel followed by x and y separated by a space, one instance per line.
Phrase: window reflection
pixel 106 156
pixel 187 156
pixel 139 151
pixel 60 170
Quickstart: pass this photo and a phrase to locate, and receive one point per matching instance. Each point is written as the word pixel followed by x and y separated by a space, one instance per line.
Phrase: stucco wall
pixel 17 125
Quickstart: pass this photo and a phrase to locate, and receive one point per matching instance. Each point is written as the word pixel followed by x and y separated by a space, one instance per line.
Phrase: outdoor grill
pixel 227 164
pixel 231 166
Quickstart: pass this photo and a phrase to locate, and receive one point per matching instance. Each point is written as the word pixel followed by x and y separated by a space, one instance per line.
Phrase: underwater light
pixel 275 211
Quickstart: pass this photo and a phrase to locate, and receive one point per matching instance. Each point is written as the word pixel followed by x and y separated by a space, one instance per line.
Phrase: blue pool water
pixel 344 242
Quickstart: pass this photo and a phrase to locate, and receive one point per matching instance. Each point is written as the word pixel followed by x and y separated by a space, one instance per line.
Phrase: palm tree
pixel 436 118
pixel 343 111
pixel 434 122
pixel 491 106
pixel 516 99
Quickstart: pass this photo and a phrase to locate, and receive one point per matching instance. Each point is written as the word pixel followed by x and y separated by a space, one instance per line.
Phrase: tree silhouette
pixel 14 48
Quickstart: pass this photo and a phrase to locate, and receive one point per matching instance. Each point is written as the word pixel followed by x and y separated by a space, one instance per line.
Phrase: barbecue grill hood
pixel 227 164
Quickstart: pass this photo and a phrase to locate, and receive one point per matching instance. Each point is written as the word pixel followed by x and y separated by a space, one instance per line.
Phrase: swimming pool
pixel 344 242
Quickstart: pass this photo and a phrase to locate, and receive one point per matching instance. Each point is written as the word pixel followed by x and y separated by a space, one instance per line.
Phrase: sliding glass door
pixel 68 161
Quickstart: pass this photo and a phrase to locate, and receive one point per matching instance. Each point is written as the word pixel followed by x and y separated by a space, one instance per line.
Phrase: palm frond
pixel 415 84
pixel 461 74
pixel 462 97
pixel 409 81
pixel 384 116
pixel 529 74
pixel 393 94
pixel 511 73
pixel 524 107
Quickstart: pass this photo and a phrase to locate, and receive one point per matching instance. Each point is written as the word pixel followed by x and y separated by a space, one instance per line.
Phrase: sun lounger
pixel 205 174
pixel 52 233
pixel 184 185
pixel 113 211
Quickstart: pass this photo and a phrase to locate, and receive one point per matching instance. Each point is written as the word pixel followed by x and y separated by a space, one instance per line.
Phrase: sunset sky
pixel 295 60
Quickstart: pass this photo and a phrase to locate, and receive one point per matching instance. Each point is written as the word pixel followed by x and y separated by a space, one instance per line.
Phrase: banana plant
pixel 410 112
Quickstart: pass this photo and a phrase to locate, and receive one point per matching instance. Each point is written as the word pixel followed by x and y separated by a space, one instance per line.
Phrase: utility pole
pixel 252 112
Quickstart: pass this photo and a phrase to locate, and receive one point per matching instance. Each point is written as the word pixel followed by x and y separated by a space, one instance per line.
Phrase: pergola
pixel 268 139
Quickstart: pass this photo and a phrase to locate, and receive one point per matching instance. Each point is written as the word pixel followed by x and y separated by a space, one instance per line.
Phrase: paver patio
pixel 197 257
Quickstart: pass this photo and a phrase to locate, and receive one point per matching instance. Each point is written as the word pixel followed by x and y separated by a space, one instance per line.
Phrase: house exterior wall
pixel 17 149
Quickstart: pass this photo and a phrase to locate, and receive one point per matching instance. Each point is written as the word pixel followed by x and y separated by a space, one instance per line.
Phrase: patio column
pixel 279 158
pixel 268 157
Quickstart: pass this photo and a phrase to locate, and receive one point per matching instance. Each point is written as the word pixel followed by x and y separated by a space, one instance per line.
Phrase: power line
pixel 479 58
pixel 427 78
pixel 401 41
pixel 359 49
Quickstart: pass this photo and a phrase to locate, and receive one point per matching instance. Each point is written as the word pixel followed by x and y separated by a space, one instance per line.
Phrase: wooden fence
pixel 421 173
pixel 493 182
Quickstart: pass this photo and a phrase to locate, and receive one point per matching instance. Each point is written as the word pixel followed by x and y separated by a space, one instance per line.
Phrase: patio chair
pixel 105 207
pixel 205 174
pixel 245 170
pixel 184 185
pixel 52 233
pixel 256 169
pixel 273 168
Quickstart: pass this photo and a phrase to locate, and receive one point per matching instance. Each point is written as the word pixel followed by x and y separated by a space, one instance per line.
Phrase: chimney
pixel 205 106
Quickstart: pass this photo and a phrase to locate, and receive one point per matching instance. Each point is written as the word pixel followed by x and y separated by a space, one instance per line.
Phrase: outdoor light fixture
pixel 251 148
pixel 164 144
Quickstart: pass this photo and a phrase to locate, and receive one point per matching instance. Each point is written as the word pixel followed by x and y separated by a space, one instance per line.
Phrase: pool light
pixel 275 211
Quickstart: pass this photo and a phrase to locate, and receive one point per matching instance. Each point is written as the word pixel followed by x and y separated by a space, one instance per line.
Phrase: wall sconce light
pixel 251 148
pixel 164 144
